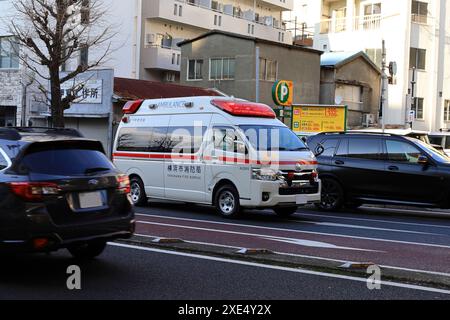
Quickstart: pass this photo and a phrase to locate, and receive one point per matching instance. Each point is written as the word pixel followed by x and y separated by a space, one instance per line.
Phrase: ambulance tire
pixel 227 202
pixel 138 196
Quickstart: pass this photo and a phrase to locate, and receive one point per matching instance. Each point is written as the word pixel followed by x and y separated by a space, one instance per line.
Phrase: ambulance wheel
pixel 285 212
pixel 138 196
pixel 227 202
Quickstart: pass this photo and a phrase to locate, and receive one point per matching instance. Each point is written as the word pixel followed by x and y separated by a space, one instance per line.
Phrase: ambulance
pixel 220 151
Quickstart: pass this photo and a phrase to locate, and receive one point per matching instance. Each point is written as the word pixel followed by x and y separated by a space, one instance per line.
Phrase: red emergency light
pixel 132 107
pixel 245 109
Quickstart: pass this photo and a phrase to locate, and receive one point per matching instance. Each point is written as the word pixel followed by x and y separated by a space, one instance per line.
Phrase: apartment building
pixel 165 23
pixel 416 36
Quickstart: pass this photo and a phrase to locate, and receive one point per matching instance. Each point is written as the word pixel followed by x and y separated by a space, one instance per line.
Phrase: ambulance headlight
pixel 265 174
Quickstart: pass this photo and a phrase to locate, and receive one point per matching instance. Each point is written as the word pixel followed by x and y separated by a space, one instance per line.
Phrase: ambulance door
pixel 184 171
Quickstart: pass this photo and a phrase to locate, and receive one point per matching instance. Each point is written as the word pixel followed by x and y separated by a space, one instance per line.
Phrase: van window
pixel 161 139
pixel 329 147
pixel 143 139
pixel 399 151
pixel 361 148
pixel 3 161
pixel 273 138
pixel 225 139
pixel 436 140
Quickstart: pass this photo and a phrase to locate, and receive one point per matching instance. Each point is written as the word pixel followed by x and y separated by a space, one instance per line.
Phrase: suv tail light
pixel 123 184
pixel 34 191
pixel 245 109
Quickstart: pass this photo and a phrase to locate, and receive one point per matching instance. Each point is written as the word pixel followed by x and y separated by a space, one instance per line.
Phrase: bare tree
pixel 53 33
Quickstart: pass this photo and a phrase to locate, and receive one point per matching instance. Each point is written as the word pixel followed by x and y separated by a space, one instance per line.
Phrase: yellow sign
pixel 316 119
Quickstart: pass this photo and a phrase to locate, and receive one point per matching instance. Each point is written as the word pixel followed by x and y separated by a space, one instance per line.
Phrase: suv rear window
pixel 65 161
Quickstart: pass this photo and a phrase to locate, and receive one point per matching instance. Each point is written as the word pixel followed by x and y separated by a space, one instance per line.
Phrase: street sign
pixel 283 93
pixel 316 119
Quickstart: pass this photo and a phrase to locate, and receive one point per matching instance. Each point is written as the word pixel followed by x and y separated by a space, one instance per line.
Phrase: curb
pixel 266 257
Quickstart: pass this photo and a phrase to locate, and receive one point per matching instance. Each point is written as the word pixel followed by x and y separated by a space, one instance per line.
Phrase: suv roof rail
pixel 359 132
pixel 55 131
pixel 9 134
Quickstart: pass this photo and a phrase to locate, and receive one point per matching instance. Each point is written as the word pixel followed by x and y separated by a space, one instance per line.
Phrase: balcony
pixel 161 58
pixel 232 19
pixel 337 25
pixel 286 5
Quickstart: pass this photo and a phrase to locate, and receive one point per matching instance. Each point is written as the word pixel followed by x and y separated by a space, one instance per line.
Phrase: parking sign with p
pixel 282 93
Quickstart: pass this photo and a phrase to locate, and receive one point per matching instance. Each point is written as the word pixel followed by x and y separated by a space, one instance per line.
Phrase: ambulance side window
pixel 227 140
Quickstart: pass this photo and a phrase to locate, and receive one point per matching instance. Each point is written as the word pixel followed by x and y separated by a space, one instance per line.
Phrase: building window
pixel 195 68
pixel 217 20
pixel 417 58
pixel 222 69
pixel 268 69
pixel 85 12
pixel 175 9
pixel 418 108
pixel 84 56
pixel 7 116
pixel 9 51
pixel 180 11
pixel 447 111
pixel 419 11
pixel 376 55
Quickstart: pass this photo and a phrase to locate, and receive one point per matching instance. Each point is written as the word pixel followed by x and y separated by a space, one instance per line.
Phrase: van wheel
pixel 332 195
pixel 88 250
pixel 285 212
pixel 138 196
pixel 227 202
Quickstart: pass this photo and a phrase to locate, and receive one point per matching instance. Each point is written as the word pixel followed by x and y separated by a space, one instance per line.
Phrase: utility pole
pixel 413 94
pixel 383 87
pixel 257 75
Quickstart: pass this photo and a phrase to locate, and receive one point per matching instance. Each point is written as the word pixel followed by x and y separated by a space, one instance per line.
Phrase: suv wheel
pixel 332 195
pixel 227 202
pixel 285 212
pixel 138 195
pixel 88 250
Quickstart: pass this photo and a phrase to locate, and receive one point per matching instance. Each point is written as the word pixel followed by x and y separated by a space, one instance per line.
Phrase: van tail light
pixel 132 107
pixel 34 191
pixel 123 182
pixel 245 109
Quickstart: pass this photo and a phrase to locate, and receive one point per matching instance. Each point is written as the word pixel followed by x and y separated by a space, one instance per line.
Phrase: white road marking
pixel 287 230
pixel 315 244
pixel 368 220
pixel 307 256
pixel 352 226
pixel 302 271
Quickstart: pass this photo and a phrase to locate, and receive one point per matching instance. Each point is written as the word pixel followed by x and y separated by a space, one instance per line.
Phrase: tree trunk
pixel 57 110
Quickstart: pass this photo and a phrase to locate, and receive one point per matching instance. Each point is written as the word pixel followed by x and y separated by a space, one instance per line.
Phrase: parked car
pixel 213 151
pixel 59 190
pixel 357 168
pixel 441 139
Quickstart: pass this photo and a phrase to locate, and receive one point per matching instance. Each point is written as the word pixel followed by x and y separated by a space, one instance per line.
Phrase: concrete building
pixel 415 33
pixel 351 79
pixel 228 62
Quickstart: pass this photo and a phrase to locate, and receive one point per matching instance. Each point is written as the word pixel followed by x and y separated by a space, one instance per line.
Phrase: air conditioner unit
pixel 150 38
pixel 369 119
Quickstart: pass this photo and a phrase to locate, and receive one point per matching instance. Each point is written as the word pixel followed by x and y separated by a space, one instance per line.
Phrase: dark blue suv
pixel 357 168
pixel 59 190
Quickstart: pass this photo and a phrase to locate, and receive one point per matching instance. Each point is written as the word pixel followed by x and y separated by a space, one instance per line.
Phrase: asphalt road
pixel 391 238
pixel 137 273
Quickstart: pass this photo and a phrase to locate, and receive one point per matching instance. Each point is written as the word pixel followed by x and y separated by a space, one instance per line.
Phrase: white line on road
pixel 307 256
pixel 352 226
pixel 302 271
pixel 367 220
pixel 287 230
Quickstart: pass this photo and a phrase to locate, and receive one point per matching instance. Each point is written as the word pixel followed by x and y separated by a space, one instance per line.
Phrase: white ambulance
pixel 218 151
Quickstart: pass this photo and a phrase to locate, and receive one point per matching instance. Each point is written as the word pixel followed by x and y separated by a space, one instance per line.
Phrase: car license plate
pixel 301 199
pixel 90 200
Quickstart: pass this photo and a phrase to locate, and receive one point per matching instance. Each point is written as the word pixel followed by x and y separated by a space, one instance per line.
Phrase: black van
pixel 59 190
pixel 357 168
